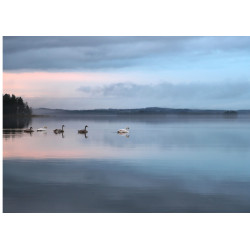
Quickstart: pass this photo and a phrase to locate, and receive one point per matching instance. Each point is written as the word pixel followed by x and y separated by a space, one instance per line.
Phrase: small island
pixel 230 112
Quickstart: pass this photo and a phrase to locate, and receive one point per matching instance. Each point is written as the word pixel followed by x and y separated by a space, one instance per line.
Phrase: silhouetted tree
pixel 13 105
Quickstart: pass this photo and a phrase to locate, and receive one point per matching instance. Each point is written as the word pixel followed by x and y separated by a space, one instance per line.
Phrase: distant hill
pixel 141 111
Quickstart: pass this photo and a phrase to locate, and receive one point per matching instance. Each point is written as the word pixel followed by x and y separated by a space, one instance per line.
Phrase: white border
pixel 124 231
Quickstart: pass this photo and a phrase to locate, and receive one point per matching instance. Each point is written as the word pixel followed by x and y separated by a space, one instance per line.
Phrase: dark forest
pixel 13 105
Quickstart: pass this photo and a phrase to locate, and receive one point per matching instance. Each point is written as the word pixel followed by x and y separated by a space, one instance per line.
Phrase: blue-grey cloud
pixel 173 91
pixel 90 53
pixel 231 95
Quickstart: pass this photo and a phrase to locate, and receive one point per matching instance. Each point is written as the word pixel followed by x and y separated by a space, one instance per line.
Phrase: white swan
pixel 42 129
pixel 123 130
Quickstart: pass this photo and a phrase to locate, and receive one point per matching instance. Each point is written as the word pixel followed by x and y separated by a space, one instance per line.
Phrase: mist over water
pixel 165 164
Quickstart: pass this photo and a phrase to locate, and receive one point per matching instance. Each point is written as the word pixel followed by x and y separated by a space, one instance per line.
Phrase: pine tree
pixel 13 105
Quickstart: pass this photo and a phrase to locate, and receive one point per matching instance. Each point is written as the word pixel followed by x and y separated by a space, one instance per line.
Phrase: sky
pixel 128 72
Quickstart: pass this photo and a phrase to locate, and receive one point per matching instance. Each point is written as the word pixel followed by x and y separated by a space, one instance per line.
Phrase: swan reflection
pixel 124 135
pixel 59 133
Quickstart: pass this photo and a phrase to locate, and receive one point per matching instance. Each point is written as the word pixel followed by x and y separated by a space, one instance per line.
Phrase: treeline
pixel 13 105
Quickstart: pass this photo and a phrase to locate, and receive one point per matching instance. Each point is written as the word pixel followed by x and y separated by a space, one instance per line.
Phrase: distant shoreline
pixel 142 111
pixel 22 116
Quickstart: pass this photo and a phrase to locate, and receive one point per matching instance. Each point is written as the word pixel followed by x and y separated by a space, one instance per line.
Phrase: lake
pixel 165 164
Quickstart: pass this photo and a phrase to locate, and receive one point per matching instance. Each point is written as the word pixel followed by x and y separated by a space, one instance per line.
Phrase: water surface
pixel 165 164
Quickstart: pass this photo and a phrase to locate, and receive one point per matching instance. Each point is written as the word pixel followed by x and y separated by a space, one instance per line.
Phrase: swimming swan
pixel 123 130
pixel 29 130
pixel 83 131
pixel 42 129
pixel 58 131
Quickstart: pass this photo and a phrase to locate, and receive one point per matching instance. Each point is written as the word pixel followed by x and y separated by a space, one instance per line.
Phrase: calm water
pixel 170 164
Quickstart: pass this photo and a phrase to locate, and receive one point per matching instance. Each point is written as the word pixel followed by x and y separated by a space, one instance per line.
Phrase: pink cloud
pixel 53 76
pixel 46 84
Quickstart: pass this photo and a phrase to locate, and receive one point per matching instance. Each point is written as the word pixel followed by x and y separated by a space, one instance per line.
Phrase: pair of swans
pixel 30 130
pixel 82 131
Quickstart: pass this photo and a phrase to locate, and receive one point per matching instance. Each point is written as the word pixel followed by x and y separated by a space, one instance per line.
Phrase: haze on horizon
pixel 128 72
